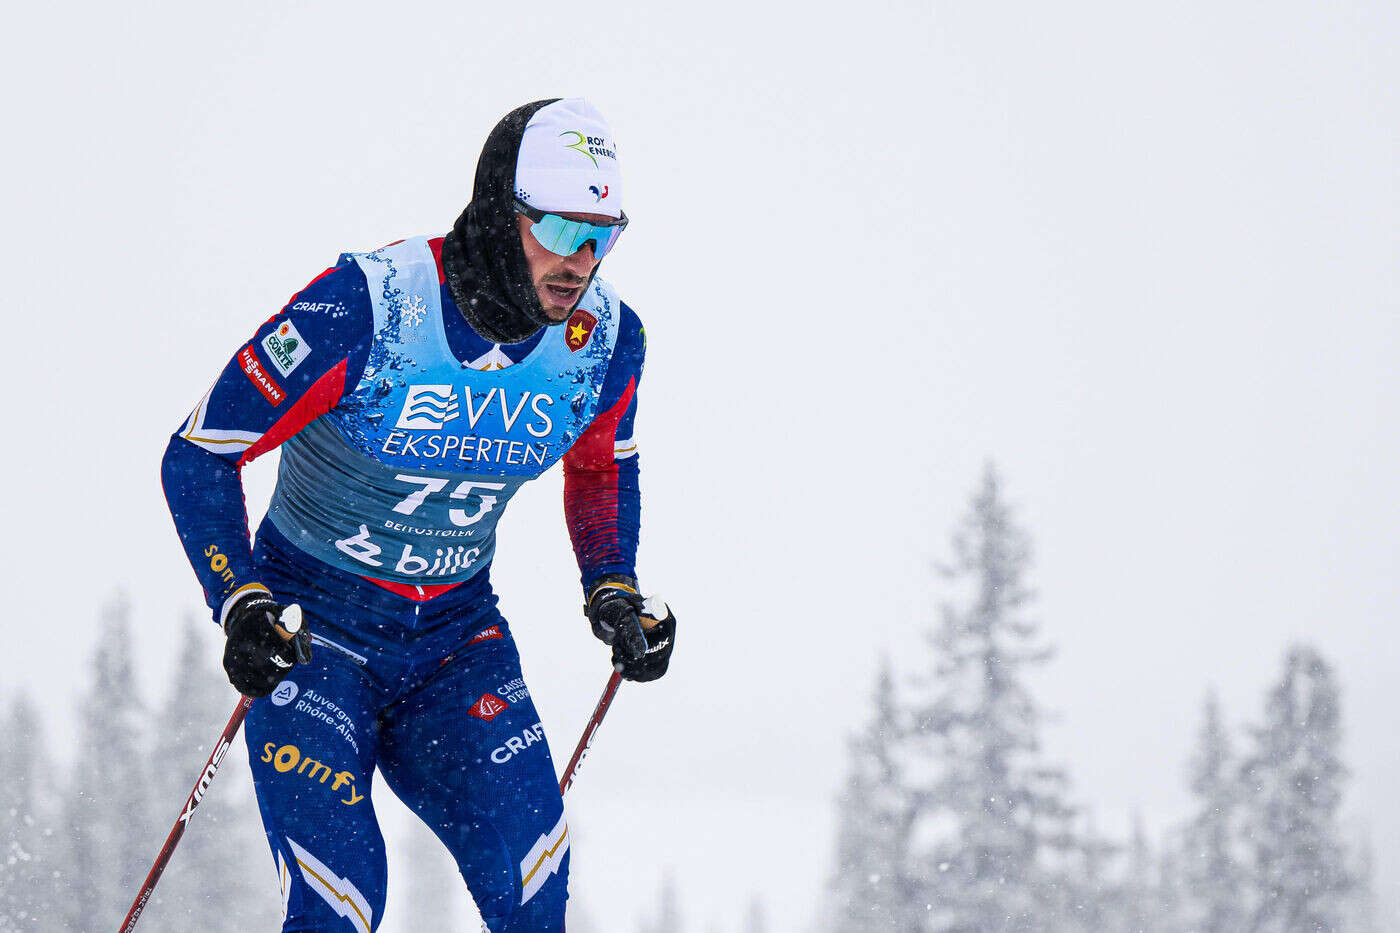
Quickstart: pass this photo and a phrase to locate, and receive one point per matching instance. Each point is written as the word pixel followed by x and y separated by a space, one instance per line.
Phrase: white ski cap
pixel 568 161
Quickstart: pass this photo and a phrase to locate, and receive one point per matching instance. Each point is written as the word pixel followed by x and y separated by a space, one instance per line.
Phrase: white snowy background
pixel 1142 256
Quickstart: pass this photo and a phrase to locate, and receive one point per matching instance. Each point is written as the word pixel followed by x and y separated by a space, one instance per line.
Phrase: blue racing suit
pixel 403 435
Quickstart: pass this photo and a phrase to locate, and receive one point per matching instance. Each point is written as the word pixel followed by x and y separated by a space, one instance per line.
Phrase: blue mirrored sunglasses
pixel 564 237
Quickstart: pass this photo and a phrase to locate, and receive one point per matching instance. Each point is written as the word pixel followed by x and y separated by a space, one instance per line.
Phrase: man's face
pixel 559 280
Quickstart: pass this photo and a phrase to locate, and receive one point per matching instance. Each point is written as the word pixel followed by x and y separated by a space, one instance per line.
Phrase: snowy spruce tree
pixel 668 911
pixel 223 857
pixel 28 859
pixel 1118 887
pixel 1140 899
pixel 755 917
pixel 1171 888
pixel 1293 782
pixel 1094 889
pixel 107 823
pixel 995 809
pixel 1361 905
pixel 1211 864
pixel 873 887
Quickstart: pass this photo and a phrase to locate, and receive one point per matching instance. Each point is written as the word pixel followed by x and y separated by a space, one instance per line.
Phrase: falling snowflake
pixel 413 311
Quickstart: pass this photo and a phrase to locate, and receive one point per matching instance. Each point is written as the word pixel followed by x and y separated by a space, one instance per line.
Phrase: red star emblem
pixel 578 329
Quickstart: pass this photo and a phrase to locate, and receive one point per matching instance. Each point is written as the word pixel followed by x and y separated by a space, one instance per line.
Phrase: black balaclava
pixel 486 268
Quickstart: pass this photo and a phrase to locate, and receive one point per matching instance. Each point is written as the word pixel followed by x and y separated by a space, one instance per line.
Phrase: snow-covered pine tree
pixel 873 887
pixel 27 888
pixel 1360 912
pixel 1140 905
pixel 223 857
pixel 1117 889
pixel 755 917
pixel 668 912
pixel 1075 875
pixel 1095 892
pixel 110 834
pixel 1171 896
pixel 996 809
pixel 1293 780
pixel 1212 868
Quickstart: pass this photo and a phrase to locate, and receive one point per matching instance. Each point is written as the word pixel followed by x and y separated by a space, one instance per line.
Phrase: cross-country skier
pixel 412 390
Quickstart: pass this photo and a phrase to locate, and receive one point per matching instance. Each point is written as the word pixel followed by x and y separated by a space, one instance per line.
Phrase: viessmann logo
pixel 428 408
pixel 264 383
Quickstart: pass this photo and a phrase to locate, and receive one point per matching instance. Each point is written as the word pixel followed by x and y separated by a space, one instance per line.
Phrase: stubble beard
pixel 555 312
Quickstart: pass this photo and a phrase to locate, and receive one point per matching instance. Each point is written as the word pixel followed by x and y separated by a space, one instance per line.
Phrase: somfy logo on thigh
pixel 285 693
pixel 287 757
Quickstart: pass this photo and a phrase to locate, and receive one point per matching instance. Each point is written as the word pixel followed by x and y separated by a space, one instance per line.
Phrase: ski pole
pixel 590 731
pixel 654 608
pixel 201 787
pixel 291 623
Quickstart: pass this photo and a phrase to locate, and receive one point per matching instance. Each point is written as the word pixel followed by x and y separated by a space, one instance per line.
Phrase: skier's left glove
pixel 642 632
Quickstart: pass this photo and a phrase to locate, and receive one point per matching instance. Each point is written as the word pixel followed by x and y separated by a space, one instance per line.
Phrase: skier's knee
pixel 541 880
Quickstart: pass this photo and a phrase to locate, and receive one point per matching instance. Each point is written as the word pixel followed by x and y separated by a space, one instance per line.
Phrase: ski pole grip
pixel 289 627
pixel 654 610
pixel 290 622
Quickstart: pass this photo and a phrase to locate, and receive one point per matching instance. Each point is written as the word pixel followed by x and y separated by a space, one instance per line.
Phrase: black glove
pixel 257 656
pixel 615 610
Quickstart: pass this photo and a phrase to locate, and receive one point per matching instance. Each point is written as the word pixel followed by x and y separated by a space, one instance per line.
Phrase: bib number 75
pixel 430 485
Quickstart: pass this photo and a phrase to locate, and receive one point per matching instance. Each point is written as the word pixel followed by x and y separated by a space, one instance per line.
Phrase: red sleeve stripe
pixel 315 402
pixel 435 244
pixel 594 450
pixel 590 487
pixel 591 508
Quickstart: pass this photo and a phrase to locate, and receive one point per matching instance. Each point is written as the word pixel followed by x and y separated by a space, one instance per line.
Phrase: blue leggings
pixel 431 695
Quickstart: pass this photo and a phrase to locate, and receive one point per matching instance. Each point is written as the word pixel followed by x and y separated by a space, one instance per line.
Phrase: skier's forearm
pixel 603 512
pixel 205 495
pixel 294 369
pixel 602 497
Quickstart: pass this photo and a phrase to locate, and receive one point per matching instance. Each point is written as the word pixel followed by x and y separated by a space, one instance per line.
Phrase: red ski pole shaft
pixel 586 741
pixel 201 787
pixel 601 710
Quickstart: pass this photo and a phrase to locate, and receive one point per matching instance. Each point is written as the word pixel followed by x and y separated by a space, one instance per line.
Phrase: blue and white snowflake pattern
pixel 413 311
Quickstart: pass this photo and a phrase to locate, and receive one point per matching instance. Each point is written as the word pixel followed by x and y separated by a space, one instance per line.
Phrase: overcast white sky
pixel 1144 257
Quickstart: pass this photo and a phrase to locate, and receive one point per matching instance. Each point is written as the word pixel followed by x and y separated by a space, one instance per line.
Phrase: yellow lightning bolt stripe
pixel 284 882
pixel 344 898
pixel 197 421
pixel 546 856
pixel 205 440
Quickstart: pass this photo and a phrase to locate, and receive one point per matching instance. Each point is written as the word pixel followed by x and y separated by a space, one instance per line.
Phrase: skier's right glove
pixel 260 651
